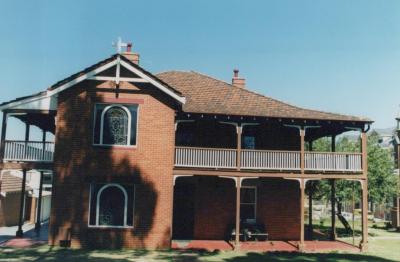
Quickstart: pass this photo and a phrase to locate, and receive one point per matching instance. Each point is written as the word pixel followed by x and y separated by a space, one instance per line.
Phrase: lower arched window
pixel 111 205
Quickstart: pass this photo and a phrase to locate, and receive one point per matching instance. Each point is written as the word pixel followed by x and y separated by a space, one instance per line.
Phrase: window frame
pixel 98 206
pixel 251 220
pixel 106 108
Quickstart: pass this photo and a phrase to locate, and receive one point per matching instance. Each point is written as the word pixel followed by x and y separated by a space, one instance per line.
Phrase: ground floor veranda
pixel 208 210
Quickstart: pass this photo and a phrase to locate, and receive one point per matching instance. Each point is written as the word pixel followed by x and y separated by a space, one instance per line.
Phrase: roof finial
pixel 119 44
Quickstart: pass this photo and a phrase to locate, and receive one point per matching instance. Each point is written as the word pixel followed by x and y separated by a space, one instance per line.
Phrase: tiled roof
pixel 208 95
pixel 11 183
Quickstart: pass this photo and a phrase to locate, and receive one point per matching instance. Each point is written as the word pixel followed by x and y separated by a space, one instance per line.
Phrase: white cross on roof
pixel 119 44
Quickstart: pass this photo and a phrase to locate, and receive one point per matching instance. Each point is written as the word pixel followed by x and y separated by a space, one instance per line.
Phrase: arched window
pixel 111 205
pixel 115 122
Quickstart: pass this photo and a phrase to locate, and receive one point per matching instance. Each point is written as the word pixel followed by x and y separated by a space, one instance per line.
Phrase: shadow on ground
pixel 45 253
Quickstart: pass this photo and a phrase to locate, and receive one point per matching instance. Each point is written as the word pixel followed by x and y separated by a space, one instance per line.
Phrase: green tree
pixel 382 183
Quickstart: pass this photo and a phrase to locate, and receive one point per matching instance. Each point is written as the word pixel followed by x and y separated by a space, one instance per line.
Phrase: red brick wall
pixel 9 209
pixel 215 207
pixel 278 207
pixel 77 163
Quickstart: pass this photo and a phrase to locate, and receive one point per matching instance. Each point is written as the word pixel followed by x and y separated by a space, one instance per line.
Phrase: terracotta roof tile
pixel 11 183
pixel 205 94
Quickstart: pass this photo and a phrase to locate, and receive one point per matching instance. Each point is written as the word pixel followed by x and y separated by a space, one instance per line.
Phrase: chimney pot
pixel 237 81
pixel 235 72
pixel 129 47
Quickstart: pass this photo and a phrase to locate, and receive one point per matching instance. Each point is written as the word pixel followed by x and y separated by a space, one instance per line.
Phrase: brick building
pixel 140 159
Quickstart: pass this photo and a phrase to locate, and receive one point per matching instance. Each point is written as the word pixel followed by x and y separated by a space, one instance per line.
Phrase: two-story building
pixel 140 159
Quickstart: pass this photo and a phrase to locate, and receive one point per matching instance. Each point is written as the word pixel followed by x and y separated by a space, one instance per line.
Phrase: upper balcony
pixel 30 143
pixel 267 160
pixel 272 146
pixel 28 151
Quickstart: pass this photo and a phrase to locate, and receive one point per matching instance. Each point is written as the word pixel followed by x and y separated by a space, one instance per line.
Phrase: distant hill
pixel 385 131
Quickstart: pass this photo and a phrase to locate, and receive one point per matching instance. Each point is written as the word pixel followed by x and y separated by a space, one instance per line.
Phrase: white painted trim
pixel 57 90
pixel 117 73
pixel 128 139
pixel 98 203
pixel 178 176
pixel 123 79
pixel 300 180
pixel 231 177
pixel 154 82
pixel 235 124
pixel 89 75
pixel 81 78
pixel 358 180
pixel 182 121
pixel 243 178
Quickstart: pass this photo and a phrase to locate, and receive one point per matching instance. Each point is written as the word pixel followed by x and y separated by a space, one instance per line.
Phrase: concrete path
pixel 30 237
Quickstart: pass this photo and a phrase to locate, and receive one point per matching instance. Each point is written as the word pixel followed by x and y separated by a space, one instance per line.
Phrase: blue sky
pixel 340 56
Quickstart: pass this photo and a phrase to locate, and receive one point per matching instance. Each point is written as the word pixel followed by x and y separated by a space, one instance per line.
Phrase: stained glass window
pixel 112 207
pixel 111 124
pixel 115 126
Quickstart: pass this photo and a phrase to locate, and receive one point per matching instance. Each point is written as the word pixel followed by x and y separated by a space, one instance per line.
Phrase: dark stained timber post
pixel 310 213
pixel 302 193
pixel 44 145
pixel 237 225
pixel 3 135
pixel 19 232
pixel 364 187
pixel 239 146
pixel 39 205
pixel 333 214
pixel 302 154
pixel 27 131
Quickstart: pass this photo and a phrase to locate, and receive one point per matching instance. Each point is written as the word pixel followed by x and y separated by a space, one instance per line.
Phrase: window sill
pixel 111 227
pixel 115 146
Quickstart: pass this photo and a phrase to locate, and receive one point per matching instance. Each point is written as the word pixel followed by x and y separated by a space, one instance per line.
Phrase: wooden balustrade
pixel 205 157
pixel 333 161
pixel 34 151
pixel 267 159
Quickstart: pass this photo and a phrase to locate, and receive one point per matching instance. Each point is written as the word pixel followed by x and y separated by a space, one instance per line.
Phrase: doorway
pixel 183 211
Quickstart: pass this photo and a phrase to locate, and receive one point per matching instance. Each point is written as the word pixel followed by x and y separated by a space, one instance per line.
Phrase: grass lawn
pixel 380 250
pixel 384 246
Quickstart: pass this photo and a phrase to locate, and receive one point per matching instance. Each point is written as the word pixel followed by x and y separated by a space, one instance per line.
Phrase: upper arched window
pixel 115 124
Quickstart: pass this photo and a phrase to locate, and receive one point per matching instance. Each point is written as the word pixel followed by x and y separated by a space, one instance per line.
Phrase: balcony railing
pixel 30 151
pixel 263 159
pixel 205 157
pixel 333 161
pixel 267 159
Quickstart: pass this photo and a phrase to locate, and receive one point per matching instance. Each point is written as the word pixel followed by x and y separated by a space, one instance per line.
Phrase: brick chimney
pixel 133 57
pixel 237 81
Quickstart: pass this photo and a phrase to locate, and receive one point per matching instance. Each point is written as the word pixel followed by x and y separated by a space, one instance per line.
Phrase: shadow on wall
pixel 77 164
